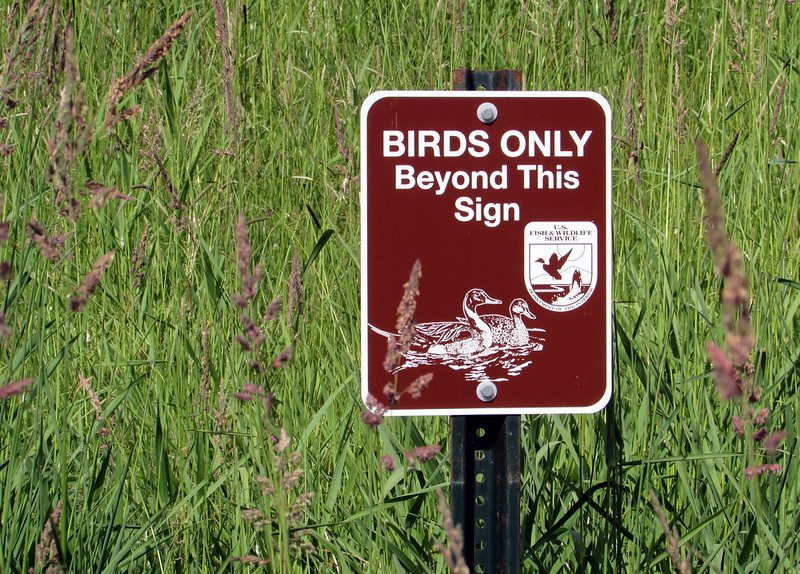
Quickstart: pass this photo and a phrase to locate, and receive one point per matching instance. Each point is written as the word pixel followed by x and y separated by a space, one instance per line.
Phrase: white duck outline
pixel 466 336
pixel 510 331
pixel 446 336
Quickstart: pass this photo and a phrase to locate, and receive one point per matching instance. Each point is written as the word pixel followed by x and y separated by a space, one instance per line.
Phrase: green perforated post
pixel 485 474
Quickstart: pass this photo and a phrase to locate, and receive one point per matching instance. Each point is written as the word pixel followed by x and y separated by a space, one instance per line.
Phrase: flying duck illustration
pixel 553 267
pixel 510 331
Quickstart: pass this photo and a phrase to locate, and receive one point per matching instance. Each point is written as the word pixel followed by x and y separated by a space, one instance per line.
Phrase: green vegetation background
pixel 165 490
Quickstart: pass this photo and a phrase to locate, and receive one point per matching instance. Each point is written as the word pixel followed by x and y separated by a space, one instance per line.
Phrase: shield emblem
pixel 561 263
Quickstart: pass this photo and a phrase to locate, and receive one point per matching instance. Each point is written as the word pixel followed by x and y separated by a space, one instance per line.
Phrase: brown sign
pixel 505 200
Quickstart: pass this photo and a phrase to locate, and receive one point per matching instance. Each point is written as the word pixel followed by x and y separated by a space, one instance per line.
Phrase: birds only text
pixel 527 147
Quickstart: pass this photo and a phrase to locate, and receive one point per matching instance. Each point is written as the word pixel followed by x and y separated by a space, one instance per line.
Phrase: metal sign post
pixel 500 199
pixel 485 471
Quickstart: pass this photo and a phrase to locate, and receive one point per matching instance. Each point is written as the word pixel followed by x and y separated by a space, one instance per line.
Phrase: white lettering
pixel 580 142
pixel 403 177
pixel 478 141
pixel 504 143
pixel 490 214
pixel 425 180
pixel 393 143
pixel 460 180
pixel 442 178
pixel 464 207
pixel 558 151
pixel 526 174
pixel 447 140
pixel 429 139
pixel 571 179
pixel 534 142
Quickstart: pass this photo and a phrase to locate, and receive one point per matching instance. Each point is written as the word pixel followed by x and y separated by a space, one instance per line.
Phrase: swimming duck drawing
pixel 484 348
pixel 467 335
pixel 553 267
pixel 510 331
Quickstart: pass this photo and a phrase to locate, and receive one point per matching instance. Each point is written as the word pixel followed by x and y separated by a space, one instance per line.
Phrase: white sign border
pixel 483 95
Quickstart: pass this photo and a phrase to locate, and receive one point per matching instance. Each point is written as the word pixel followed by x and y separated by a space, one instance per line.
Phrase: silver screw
pixel 487 112
pixel 487 392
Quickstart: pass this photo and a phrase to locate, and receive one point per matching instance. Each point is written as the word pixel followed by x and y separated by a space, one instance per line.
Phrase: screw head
pixel 487 392
pixel 487 112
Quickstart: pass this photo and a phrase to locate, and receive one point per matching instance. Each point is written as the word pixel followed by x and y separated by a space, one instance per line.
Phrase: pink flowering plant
pixel 734 372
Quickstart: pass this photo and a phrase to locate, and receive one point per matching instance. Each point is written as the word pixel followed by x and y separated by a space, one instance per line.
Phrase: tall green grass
pixel 165 490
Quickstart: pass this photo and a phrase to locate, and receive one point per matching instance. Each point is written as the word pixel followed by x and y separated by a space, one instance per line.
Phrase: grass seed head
pixel 71 134
pixel 283 357
pixel 737 424
pixel 244 252
pixel 221 413
pixel 49 246
pixel 680 563
pixel 341 141
pixel 777 109
pixel 391 394
pixel 418 385
pixel 725 374
pixel 295 513
pixel 243 249
pixel 773 441
pixel 221 29
pixel 85 383
pixel 205 379
pixel 392 357
pixel 21 50
pixel 611 16
pixel 48 558
pixel 244 343
pixel 425 453
pixel 89 284
pixel 733 367
pixel 729 266
pixel 292 478
pixel 15 388
pixel 453 551
pixel 726 154
pixel 5 330
pixel 143 69
pixel 372 416
pixel 407 308
pixel 253 559
pixel 251 330
pixel 752 471
pixel 102 194
pixel 294 308
pixel 139 258
pixel 282 442
pixel 266 485
pixel 388 462
pixel 273 310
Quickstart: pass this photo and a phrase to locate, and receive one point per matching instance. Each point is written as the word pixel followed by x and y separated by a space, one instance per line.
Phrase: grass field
pixel 130 429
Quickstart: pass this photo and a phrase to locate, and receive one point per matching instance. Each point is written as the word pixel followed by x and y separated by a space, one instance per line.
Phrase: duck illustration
pixel 510 331
pixel 447 337
pixel 467 335
pixel 553 267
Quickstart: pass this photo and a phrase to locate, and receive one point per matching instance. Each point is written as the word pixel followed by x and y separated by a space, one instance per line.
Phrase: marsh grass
pixel 165 489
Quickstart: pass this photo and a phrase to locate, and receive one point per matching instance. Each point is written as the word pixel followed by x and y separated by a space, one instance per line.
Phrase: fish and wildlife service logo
pixel 561 263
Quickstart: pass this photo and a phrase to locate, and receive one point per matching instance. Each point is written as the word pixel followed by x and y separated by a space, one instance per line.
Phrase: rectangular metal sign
pixel 505 200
